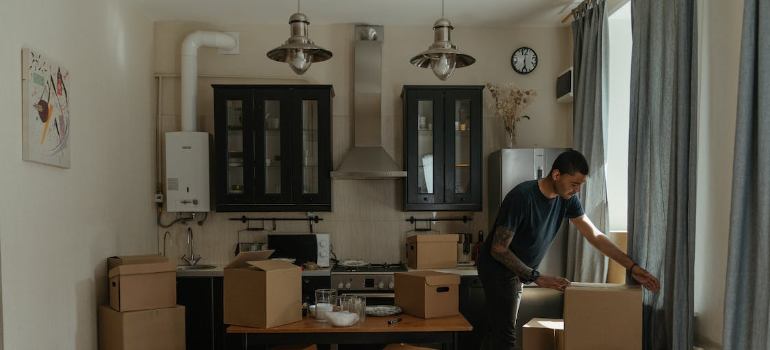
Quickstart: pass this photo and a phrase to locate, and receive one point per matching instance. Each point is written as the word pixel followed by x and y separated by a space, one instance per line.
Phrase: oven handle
pixel 373 295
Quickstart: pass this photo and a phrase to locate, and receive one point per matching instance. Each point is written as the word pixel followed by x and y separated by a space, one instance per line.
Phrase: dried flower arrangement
pixel 510 101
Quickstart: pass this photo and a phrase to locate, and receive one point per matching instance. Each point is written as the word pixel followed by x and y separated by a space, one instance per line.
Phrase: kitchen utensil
pixel 477 248
pixel 342 318
pixel 464 250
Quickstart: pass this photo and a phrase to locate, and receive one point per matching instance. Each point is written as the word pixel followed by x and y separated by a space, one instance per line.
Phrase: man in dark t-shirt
pixel 527 223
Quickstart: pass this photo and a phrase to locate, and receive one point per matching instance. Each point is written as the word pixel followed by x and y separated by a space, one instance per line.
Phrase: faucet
pixel 192 260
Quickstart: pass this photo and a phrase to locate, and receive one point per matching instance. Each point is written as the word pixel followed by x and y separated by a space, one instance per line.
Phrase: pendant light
pixel 442 57
pixel 299 51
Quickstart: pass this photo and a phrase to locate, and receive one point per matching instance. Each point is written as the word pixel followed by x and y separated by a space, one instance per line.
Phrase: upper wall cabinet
pixel 272 147
pixel 442 149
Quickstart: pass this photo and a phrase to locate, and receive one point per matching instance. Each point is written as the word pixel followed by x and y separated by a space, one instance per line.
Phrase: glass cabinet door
pixel 235 173
pixel 272 148
pixel 309 147
pixel 425 164
pixel 462 146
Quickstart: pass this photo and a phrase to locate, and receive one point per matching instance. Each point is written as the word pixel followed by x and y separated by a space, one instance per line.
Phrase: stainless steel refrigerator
pixel 508 168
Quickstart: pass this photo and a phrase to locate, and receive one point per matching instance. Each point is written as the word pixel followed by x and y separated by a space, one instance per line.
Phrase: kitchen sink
pixel 194 267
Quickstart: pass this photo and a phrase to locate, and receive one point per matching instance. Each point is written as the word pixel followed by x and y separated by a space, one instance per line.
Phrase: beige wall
pixel 720 32
pixel 367 219
pixel 58 226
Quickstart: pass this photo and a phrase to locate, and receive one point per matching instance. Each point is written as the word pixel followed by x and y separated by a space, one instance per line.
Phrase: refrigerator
pixel 508 168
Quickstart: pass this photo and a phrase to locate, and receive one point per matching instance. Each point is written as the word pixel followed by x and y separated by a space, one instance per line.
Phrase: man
pixel 529 219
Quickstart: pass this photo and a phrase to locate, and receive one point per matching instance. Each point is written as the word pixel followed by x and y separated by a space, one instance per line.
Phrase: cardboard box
pixel 427 294
pixel 615 272
pixel 116 261
pixel 161 329
pixel 543 334
pixel 403 346
pixel 602 316
pixel 432 251
pixel 261 293
pixel 141 283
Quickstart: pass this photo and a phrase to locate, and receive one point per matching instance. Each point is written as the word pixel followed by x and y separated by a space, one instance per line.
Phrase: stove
pixel 367 278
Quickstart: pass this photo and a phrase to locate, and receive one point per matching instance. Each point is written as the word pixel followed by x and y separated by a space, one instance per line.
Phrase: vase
pixel 511 138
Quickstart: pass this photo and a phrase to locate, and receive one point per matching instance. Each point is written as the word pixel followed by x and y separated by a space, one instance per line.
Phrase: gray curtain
pixel 747 309
pixel 662 164
pixel 589 31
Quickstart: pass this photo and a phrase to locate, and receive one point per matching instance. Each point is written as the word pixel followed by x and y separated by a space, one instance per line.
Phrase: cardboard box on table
pixel 159 329
pixel 141 282
pixel 261 293
pixel 427 294
pixel 543 334
pixel 602 316
pixel 432 251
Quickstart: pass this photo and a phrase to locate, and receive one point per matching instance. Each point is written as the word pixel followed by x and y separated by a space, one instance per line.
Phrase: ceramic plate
pixel 382 310
pixel 352 263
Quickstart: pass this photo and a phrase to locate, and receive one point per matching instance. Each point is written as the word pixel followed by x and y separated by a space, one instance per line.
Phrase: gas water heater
pixel 187 171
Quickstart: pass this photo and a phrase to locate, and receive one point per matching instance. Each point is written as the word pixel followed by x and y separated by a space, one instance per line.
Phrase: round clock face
pixel 524 60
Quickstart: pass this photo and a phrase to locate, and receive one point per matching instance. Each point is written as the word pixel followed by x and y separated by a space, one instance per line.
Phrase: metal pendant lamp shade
pixel 443 56
pixel 299 51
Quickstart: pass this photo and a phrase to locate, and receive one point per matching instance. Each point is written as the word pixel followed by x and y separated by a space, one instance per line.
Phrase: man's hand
pixel 553 282
pixel 645 278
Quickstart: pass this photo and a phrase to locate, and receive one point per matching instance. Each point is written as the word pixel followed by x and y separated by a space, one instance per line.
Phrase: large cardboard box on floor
pixel 159 329
pixel 261 293
pixel 432 251
pixel 141 282
pixel 602 316
pixel 427 294
pixel 543 334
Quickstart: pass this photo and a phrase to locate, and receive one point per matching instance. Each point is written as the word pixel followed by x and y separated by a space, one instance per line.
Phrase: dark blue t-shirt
pixel 534 220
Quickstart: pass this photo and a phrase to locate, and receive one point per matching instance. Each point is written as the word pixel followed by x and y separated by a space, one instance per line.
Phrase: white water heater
pixel 187 171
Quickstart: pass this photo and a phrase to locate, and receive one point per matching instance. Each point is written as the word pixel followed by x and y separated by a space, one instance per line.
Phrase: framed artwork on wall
pixel 45 110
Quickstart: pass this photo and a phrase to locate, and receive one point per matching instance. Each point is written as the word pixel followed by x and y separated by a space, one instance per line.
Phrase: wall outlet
pixel 159 198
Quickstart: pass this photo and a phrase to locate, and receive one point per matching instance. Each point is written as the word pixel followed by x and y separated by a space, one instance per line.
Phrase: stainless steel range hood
pixel 367 159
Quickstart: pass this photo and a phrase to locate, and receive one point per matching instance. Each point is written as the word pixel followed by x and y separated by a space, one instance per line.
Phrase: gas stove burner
pixel 369 268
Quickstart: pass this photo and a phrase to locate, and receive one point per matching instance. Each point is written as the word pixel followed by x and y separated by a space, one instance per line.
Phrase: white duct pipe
pixel 190 47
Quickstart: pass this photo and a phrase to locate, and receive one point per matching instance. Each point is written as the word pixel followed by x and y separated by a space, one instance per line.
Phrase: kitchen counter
pixel 462 271
pixel 218 271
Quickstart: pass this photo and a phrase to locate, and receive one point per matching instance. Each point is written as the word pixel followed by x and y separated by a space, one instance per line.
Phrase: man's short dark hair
pixel 570 162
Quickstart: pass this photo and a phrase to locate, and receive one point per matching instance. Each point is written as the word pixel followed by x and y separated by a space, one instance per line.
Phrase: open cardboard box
pixel 543 334
pixel 142 282
pixel 261 293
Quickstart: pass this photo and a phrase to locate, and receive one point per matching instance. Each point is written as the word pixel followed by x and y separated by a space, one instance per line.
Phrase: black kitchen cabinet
pixel 204 327
pixel 443 147
pixel 272 147
pixel 472 307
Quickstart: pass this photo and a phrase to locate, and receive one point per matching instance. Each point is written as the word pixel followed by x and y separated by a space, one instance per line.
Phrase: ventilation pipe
pixel 190 47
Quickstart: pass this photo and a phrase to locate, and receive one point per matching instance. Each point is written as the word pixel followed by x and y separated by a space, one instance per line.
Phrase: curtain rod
pixel 571 12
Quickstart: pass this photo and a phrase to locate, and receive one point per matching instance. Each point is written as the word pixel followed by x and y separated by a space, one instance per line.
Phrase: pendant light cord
pixel 298 6
pixel 442 8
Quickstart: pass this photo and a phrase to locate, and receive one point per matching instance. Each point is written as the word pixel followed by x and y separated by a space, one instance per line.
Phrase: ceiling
pixel 462 13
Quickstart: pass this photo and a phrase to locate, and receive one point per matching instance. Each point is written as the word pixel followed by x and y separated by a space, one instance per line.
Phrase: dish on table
pixel 382 310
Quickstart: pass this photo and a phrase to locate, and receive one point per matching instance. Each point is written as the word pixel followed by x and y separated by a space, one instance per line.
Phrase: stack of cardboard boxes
pixel 596 316
pixel 142 313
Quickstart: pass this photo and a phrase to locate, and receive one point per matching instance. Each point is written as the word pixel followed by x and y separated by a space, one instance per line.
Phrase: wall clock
pixel 524 60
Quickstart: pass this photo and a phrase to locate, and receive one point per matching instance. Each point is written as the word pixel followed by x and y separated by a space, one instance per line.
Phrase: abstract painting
pixel 45 109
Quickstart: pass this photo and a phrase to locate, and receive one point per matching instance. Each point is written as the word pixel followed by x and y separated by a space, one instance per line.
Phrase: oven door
pixel 375 298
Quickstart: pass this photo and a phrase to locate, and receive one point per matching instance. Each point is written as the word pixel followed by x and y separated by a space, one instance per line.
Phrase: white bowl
pixel 341 319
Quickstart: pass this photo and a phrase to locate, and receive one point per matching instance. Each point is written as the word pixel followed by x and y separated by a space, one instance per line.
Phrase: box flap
pixel 272 265
pixel 603 286
pixel 116 261
pixel 433 278
pixel 135 269
pixel 242 259
pixel 434 238
pixel 550 323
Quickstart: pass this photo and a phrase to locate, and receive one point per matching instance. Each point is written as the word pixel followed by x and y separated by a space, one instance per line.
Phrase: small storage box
pixel 427 294
pixel 137 285
pixel 432 251
pixel 159 329
pixel 543 334
pixel 261 293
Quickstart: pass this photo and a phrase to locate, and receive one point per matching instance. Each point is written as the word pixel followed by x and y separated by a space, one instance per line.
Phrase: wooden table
pixel 374 330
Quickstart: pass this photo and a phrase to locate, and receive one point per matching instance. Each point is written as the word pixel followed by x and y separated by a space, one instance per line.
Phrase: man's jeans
pixel 503 294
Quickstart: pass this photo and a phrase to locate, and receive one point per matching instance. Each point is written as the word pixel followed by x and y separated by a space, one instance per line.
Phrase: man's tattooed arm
pixel 501 253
